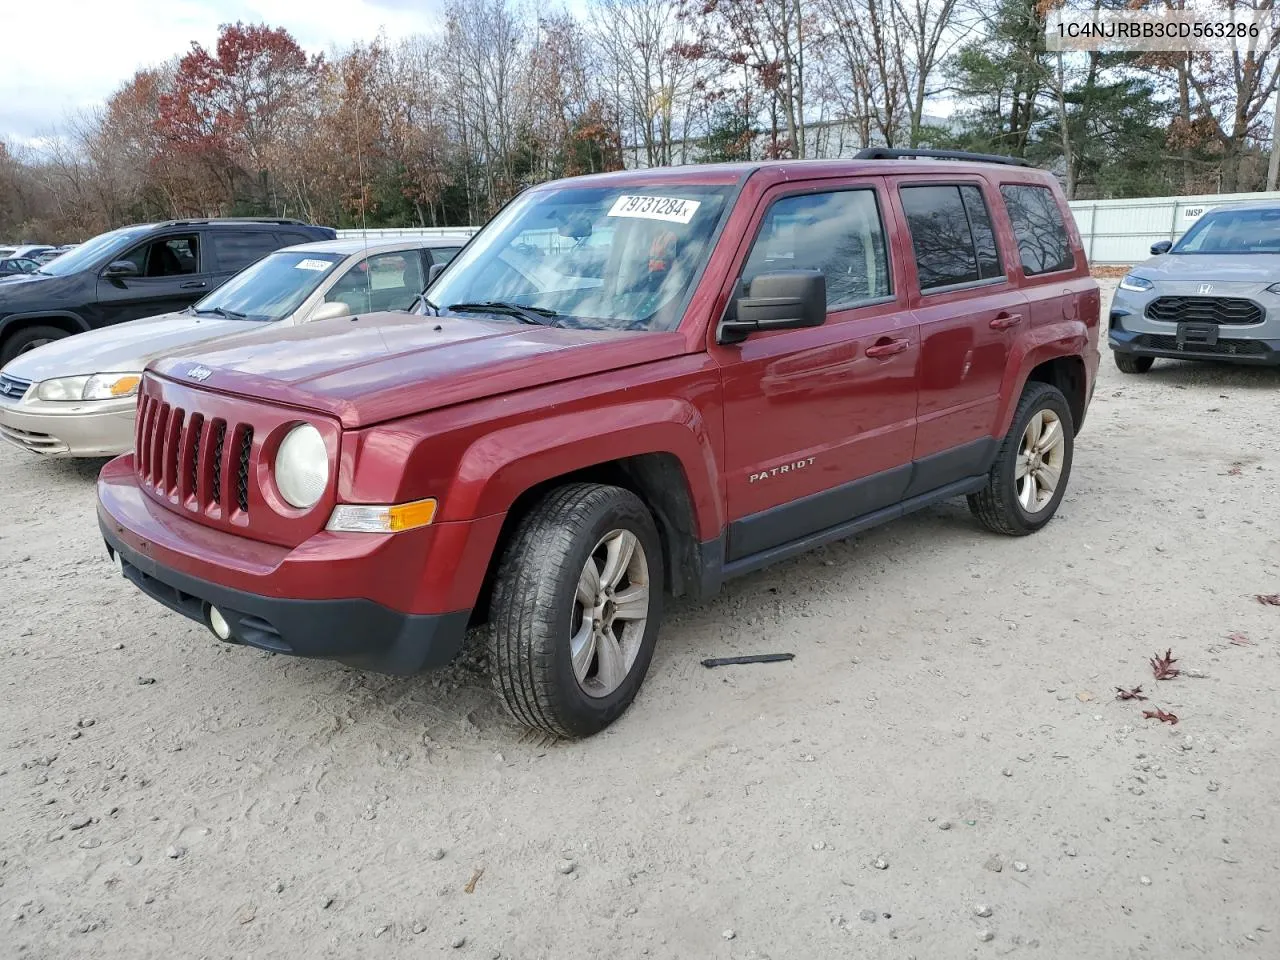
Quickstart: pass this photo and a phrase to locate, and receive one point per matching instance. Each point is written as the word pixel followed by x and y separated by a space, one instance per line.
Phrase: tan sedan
pixel 75 397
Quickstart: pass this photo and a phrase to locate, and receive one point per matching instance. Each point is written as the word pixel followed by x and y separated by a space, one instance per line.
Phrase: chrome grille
pixel 13 388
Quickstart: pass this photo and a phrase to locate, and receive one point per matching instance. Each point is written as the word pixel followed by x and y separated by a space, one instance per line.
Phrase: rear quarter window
pixel 1043 243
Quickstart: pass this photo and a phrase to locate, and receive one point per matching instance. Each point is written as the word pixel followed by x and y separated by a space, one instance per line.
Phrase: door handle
pixel 1006 320
pixel 193 285
pixel 884 347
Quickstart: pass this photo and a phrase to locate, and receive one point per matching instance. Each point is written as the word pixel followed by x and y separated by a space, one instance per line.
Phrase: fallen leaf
pixel 1084 696
pixel 1161 715
pixel 1239 639
pixel 1133 694
pixel 475 877
pixel 1268 599
pixel 1163 667
pixel 1235 470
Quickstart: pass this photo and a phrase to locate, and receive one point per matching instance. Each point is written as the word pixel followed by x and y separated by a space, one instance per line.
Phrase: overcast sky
pixel 66 55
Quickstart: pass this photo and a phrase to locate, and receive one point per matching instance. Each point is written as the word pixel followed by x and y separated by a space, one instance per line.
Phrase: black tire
pixel 997 506
pixel 533 609
pixel 1131 363
pixel 28 338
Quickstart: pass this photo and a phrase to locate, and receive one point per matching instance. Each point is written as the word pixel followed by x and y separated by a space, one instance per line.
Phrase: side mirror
pixel 119 269
pixel 1161 247
pixel 434 271
pixel 776 301
pixel 329 311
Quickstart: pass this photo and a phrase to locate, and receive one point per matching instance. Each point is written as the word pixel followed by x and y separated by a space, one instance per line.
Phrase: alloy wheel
pixel 1040 460
pixel 610 609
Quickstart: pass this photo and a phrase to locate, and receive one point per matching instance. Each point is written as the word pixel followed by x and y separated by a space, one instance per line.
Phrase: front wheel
pixel 28 338
pixel 1031 469
pixel 1130 363
pixel 576 605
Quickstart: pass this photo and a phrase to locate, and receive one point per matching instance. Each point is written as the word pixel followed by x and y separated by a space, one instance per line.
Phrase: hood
pixel 383 366
pixel 1263 268
pixel 13 284
pixel 122 347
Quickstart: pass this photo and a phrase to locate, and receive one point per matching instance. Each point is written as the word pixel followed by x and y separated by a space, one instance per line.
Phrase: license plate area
pixel 1192 335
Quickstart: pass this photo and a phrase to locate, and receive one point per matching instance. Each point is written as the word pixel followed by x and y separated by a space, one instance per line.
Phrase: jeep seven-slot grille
pixel 1221 310
pixel 184 457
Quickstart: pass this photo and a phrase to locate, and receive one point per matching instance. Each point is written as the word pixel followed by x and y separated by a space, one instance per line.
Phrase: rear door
pixel 173 273
pixel 969 310
pixel 819 422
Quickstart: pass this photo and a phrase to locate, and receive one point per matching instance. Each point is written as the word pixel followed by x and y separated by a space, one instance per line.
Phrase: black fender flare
pixel 7 322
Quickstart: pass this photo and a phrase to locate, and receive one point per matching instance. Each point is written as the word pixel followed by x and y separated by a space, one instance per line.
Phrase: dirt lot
pixel 950 710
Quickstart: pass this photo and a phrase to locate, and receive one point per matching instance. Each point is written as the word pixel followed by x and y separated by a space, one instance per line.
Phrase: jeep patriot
pixel 628 385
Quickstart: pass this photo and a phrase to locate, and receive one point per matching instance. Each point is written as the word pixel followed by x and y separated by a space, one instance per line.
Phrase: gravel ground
pixel 942 771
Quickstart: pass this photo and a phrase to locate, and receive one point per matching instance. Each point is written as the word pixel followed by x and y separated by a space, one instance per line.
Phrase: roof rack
pixel 284 221
pixel 885 153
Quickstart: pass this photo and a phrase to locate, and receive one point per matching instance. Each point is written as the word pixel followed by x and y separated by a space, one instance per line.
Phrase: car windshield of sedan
pixel 272 288
pixel 1233 231
pixel 603 258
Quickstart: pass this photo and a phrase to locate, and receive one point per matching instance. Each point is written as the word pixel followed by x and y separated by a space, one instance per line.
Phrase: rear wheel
pixel 28 338
pixel 1030 472
pixel 575 610
pixel 1129 363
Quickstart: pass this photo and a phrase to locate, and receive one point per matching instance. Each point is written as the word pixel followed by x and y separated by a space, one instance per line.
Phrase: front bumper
pixel 327 598
pixel 1228 349
pixel 90 429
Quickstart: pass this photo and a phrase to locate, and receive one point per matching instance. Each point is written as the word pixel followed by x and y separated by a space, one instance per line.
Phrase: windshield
pixel 272 288
pixel 1233 231
pixel 87 255
pixel 604 258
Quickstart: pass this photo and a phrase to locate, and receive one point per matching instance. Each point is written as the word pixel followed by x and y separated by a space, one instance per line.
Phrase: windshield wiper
pixel 536 315
pixel 225 313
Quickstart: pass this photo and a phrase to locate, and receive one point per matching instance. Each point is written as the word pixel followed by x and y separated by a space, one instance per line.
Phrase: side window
pixel 235 250
pixel 1043 245
pixel 443 254
pixel 384 281
pixel 984 236
pixel 169 257
pixel 839 233
pixel 951 235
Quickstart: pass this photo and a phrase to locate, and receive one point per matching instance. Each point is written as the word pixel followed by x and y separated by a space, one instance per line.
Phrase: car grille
pixel 1221 310
pixel 13 388
pixel 1224 347
pixel 183 457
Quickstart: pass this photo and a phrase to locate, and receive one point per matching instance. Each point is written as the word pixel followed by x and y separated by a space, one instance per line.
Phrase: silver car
pixel 1212 295
pixel 75 397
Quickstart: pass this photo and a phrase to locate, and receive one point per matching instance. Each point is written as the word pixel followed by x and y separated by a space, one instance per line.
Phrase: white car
pixel 75 397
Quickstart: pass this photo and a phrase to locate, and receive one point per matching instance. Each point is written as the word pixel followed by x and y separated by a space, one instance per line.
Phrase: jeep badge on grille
pixel 200 373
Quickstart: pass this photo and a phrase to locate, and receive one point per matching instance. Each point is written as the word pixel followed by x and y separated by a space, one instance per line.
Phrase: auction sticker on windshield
pixel 312 265
pixel 671 209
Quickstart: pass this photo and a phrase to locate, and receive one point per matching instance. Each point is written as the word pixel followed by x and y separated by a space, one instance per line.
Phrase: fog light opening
pixel 218 624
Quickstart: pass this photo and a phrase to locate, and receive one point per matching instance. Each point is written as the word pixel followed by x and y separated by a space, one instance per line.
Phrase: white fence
pixel 409 232
pixel 1113 231
pixel 1122 231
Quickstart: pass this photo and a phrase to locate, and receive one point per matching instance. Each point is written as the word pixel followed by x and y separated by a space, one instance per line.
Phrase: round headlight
pixel 302 466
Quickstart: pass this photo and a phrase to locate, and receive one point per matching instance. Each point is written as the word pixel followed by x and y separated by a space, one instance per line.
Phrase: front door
pixel 820 422
pixel 172 275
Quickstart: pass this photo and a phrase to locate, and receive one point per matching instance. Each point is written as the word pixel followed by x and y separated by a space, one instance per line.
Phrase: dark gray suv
pixel 1213 295
pixel 134 272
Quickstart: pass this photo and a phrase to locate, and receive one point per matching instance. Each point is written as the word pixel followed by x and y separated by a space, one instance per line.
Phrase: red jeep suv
pixel 626 386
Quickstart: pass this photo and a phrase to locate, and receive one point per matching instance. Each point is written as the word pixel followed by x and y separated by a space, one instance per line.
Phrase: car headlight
pixel 1274 288
pixel 1137 284
pixel 302 466
pixel 100 386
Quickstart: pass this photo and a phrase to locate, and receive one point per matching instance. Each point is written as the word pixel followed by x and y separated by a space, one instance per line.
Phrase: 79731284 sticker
pixel 670 209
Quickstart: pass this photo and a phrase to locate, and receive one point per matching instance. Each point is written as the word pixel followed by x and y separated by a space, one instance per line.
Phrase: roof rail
pixel 886 153
pixel 287 221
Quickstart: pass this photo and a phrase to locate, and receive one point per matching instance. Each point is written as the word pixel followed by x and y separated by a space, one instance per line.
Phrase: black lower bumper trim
pixel 1227 349
pixel 356 632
